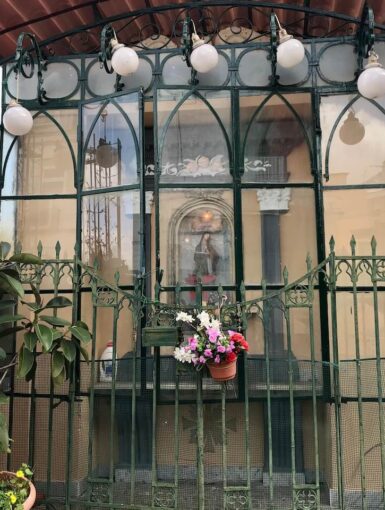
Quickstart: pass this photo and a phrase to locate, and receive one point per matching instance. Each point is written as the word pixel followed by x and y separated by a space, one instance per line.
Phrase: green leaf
pixel 3 354
pixel 57 364
pixel 44 334
pixel 10 284
pixel 60 378
pixel 26 258
pixel 84 353
pixel 54 321
pixel 5 248
pixel 81 334
pixel 32 372
pixel 35 307
pixel 58 302
pixel 3 398
pixel 26 359
pixel 57 334
pixel 69 349
pixel 4 319
pixel 30 340
pixel 81 324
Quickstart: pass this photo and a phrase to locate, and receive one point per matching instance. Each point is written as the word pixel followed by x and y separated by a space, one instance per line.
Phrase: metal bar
pixel 354 278
pixel 92 387
pixel 378 365
pixel 113 400
pixel 200 444
pixel 224 441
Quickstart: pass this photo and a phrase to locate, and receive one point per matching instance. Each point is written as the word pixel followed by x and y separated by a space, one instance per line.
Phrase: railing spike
pixel 309 261
pixel 332 244
pixel 373 244
pixel 18 247
pixel 285 274
pixel 57 249
pixel 117 277
pixel 353 245
pixel 39 248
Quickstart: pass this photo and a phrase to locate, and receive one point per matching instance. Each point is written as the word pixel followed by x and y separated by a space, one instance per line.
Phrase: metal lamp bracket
pixel 105 53
pixel 187 46
pixel 365 36
pixel 26 58
pixel 273 48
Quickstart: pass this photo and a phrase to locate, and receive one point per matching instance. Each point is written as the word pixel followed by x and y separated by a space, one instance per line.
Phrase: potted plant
pixel 17 492
pixel 210 346
pixel 44 331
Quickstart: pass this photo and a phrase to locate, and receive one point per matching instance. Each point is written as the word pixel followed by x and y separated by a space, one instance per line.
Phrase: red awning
pixel 73 26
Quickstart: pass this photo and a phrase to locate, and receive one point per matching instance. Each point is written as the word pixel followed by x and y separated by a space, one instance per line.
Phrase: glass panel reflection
pixel 110 134
pixel 273 140
pixel 193 139
pixel 111 225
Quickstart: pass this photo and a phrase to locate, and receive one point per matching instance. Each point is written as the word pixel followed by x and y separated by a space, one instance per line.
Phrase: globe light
pixel 371 82
pixel 204 57
pixel 352 131
pixel 124 60
pixel 17 120
pixel 290 51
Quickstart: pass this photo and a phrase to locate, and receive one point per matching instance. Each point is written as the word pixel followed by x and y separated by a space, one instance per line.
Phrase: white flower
pixel 216 324
pixel 204 319
pixel 183 356
pixel 184 317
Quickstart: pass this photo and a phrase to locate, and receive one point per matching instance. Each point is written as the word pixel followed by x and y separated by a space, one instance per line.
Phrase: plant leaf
pixel 4 437
pixel 4 319
pixel 81 334
pixel 81 324
pixel 5 248
pixel 3 354
pixel 44 334
pixel 11 285
pixel 26 359
pixel 60 378
pixel 69 349
pixel 84 353
pixel 30 340
pixel 3 398
pixel 54 321
pixel 58 302
pixel 26 258
pixel 57 364
pixel 56 333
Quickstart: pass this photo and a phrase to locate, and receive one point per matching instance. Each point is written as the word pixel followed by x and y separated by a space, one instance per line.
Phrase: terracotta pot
pixel 30 501
pixel 223 371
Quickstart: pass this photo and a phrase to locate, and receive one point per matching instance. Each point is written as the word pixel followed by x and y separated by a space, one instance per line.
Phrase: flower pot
pixel 30 501
pixel 223 371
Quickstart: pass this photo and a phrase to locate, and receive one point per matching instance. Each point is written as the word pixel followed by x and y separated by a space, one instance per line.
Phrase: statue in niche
pixel 206 259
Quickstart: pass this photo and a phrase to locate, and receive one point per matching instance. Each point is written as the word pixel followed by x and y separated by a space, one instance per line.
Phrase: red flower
pixel 237 338
pixel 231 356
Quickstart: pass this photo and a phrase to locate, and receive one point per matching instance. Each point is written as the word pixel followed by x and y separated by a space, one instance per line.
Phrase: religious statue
pixel 206 259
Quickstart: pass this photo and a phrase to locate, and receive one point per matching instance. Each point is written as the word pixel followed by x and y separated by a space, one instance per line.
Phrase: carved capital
pixel 274 200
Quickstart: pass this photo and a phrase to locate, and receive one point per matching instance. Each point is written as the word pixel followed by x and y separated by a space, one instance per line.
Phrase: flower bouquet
pixel 210 346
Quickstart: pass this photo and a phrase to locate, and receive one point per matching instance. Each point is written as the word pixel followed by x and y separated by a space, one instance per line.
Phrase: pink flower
pixel 221 348
pixel 217 359
pixel 208 353
pixel 213 334
pixel 202 359
pixel 193 343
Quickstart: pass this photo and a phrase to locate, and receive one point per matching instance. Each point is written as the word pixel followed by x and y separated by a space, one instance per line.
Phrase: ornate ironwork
pixel 237 499
pixel 164 497
pixel 306 499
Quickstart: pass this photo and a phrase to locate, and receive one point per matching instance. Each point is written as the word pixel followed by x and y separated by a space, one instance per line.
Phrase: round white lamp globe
pixel 204 57
pixel 290 51
pixel 17 120
pixel 371 82
pixel 124 60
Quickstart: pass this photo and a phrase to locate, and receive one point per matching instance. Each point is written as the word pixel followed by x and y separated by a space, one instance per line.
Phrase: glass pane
pixel 273 140
pixel 41 162
pixel 355 212
pixel 357 152
pixel 278 230
pixel 30 221
pixel 111 225
pixel 192 139
pixel 111 152
pixel 196 236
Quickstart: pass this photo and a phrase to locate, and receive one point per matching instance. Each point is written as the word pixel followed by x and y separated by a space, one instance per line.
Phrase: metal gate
pixel 292 431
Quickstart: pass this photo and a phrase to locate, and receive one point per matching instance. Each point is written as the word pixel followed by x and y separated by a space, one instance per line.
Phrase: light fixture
pixel 106 153
pixel 17 120
pixel 290 51
pixel 352 131
pixel 371 82
pixel 124 60
pixel 199 55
